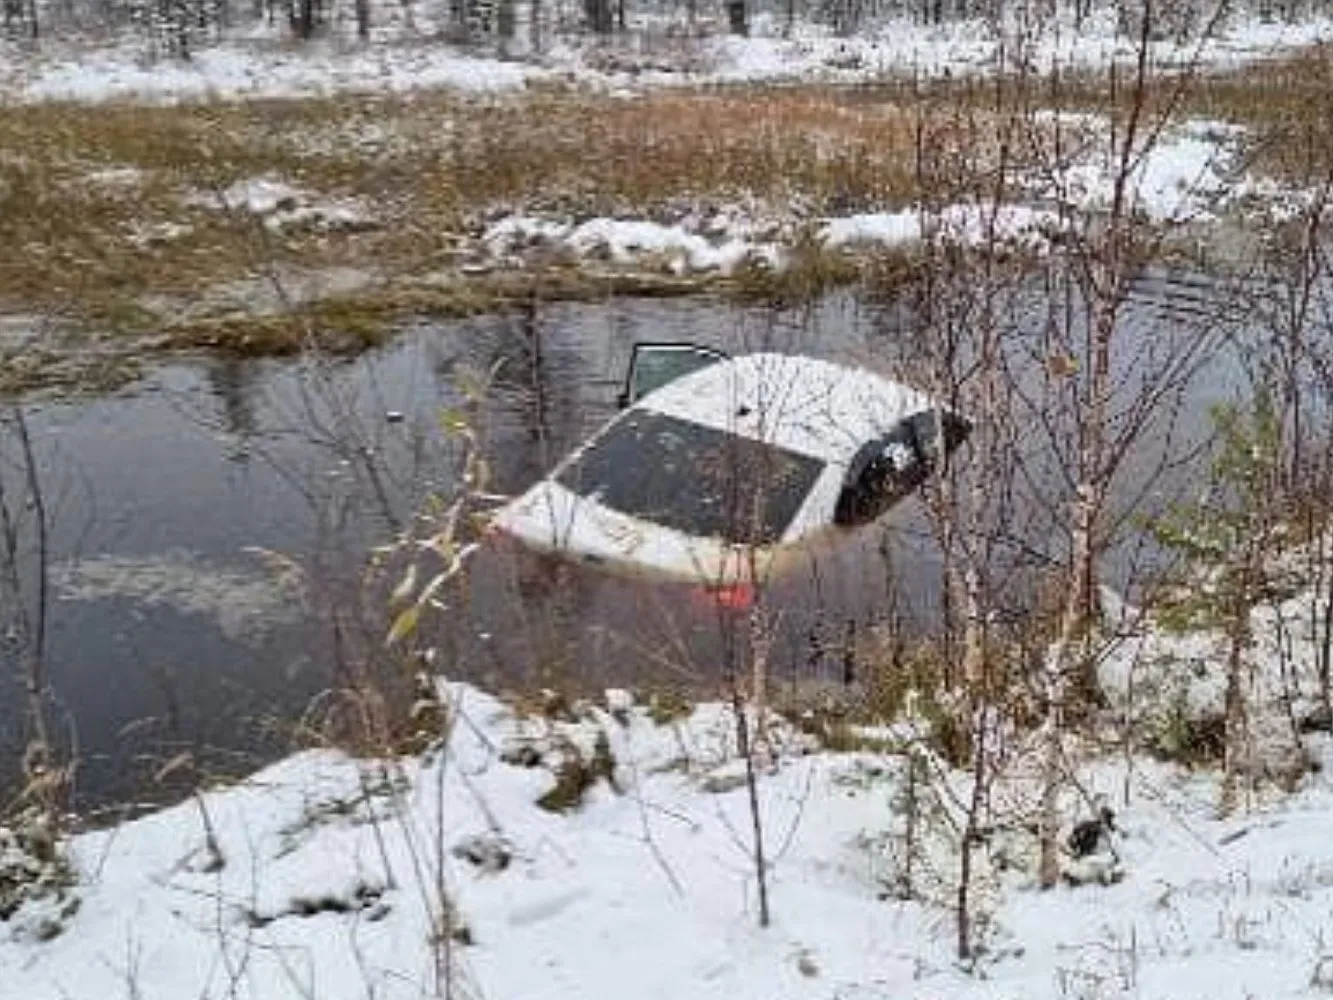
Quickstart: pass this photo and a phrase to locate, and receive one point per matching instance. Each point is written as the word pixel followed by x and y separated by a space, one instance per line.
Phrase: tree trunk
pixel 598 15
pixel 1066 660
pixel 27 624
pixel 759 663
pixel 1052 739
pixel 738 17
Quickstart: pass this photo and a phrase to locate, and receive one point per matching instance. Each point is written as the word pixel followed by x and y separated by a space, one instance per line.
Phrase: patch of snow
pixel 630 241
pixel 1171 684
pixel 1192 173
pixel 967 225
pixel 122 177
pixel 158 233
pixel 319 879
pixel 1189 174
pixel 257 195
pixel 625 240
pixel 246 70
pixel 889 228
pixel 255 61
pixel 282 205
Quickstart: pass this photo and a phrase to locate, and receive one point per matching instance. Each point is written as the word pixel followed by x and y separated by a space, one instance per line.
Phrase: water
pixel 175 503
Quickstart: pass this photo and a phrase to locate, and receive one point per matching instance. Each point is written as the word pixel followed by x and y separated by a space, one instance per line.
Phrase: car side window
pixel 880 474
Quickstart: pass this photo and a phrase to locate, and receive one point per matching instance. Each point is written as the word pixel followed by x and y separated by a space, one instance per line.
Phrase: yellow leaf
pixel 404 625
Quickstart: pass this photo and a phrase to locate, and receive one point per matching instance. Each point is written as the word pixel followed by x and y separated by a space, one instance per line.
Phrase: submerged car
pixel 724 482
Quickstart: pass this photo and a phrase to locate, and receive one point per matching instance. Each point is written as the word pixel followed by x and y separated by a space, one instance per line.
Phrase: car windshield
pixel 693 478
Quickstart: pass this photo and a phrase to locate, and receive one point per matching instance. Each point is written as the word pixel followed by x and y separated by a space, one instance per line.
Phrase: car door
pixel 653 365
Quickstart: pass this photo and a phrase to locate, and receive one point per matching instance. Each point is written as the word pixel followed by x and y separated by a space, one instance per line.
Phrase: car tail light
pixel 732 596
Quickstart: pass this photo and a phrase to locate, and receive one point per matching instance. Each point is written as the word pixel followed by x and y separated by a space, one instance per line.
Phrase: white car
pixel 715 477
pixel 721 481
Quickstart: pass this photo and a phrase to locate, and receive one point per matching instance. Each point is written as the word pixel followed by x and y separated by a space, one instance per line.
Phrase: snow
pixel 818 408
pixel 282 204
pixel 249 70
pixel 967 225
pixel 1190 173
pixel 1163 681
pixel 976 47
pixel 401 59
pixel 638 242
pixel 1193 172
pixel 118 177
pixel 327 882
pixel 873 227
pixel 630 241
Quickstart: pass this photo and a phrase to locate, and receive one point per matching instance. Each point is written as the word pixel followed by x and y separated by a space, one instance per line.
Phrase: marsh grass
pixel 106 221
pixel 111 218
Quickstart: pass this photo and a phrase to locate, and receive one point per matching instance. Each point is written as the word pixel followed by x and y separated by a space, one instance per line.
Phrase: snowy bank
pixel 1191 174
pixel 322 877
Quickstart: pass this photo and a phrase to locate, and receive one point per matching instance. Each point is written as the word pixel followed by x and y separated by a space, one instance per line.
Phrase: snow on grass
pixel 117 178
pixel 247 66
pixel 967 225
pixel 281 204
pixel 1171 682
pixel 630 241
pixel 733 239
pixel 1192 173
pixel 240 70
pixel 975 46
pixel 320 880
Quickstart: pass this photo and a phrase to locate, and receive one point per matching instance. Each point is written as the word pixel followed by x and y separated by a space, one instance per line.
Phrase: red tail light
pixel 732 596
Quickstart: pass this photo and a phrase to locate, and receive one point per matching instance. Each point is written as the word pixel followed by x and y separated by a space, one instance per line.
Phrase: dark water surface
pixel 169 628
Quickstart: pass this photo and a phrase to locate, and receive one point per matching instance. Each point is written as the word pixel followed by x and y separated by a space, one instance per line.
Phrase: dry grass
pixel 1285 105
pixel 771 144
pixel 101 220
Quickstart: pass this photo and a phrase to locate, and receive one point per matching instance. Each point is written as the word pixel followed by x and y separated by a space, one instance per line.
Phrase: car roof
pixel 819 408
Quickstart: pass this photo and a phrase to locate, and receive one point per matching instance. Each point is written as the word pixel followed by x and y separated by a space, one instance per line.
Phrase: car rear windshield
pixel 693 478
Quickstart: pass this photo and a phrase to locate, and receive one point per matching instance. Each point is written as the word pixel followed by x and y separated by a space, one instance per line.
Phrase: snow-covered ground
pixel 252 70
pixel 1193 173
pixel 280 205
pixel 322 877
pixel 261 64
pixel 631 874
pixel 320 887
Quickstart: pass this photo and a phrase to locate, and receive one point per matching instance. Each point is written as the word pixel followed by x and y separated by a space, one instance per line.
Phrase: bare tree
pixel 1093 356
pixel 25 601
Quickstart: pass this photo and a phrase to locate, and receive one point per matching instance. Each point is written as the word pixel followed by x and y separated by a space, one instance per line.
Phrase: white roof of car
pixel 818 408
